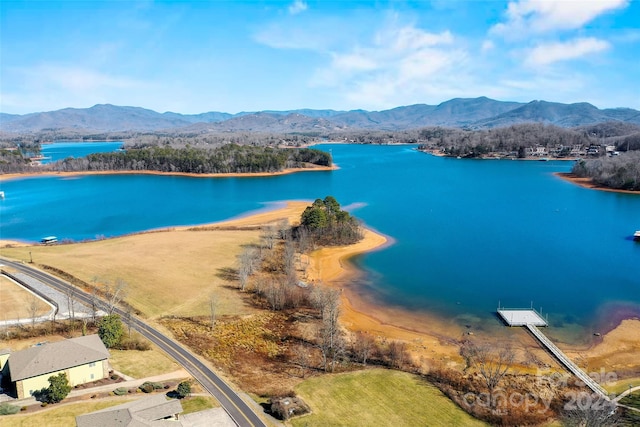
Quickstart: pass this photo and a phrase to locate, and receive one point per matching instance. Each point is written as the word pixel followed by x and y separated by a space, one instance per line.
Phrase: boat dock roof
pixel 521 317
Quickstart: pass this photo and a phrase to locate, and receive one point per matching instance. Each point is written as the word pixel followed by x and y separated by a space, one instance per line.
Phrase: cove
pixel 466 233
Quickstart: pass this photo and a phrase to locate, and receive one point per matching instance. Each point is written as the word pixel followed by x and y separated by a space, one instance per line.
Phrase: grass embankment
pixel 374 397
pixel 168 272
pixel 16 302
pixel 141 364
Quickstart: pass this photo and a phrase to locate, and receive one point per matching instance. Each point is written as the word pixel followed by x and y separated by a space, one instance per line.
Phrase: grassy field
pixel 63 416
pixel 168 272
pixel 378 397
pixel 622 385
pixel 141 364
pixel 15 301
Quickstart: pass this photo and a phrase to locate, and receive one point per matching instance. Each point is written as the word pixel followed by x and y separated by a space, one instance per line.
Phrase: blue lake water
pixel 62 149
pixel 466 233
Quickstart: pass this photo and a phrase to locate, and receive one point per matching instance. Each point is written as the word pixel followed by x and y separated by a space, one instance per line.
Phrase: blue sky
pixel 232 56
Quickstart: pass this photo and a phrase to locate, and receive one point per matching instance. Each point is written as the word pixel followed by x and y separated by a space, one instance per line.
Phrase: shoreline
pixel 12 176
pixel 430 338
pixel 588 183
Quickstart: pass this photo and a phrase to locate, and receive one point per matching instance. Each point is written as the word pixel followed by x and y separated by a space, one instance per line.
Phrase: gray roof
pixel 139 413
pixel 53 357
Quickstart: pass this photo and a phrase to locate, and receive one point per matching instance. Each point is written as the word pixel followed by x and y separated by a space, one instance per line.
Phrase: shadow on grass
pixel 228 274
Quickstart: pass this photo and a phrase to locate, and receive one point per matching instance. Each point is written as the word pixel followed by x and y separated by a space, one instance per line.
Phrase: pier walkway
pixel 566 362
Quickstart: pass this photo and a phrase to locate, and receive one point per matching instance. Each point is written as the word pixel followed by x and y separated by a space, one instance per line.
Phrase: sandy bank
pixel 429 336
pixel 309 168
pixel 588 183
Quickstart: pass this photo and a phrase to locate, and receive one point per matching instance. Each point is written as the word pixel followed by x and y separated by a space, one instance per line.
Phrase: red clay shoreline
pixel 10 176
pixel 588 183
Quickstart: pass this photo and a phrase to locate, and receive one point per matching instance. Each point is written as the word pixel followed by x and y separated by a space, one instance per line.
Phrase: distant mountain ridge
pixel 475 113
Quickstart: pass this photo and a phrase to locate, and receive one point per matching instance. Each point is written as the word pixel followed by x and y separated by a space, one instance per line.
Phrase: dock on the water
pixel 521 317
pixel 531 319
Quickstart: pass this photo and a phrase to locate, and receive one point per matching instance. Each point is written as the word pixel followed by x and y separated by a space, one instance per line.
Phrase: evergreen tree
pixel 110 330
pixel 58 388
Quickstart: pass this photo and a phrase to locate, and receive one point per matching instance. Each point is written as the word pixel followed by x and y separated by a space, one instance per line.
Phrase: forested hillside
pixel 619 172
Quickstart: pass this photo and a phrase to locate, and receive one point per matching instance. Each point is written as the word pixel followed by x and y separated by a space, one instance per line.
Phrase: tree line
pixel 230 158
pixel 619 172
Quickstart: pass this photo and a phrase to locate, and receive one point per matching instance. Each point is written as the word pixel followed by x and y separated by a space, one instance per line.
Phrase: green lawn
pixel 378 397
pixel 141 364
pixel 197 404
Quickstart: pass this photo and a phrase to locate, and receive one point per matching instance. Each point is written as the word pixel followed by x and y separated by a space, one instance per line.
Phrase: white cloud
pixel 399 64
pixel 549 53
pixel 540 16
pixel 52 86
pixel 297 6
pixel 487 46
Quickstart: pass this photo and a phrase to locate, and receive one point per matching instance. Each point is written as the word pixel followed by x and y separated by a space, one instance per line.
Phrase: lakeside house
pixel 83 360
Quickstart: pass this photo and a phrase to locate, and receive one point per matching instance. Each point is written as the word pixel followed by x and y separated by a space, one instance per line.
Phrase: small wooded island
pixel 230 158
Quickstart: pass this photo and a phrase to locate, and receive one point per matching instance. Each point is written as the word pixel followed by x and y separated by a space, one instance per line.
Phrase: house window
pixel 92 364
pixel 91 376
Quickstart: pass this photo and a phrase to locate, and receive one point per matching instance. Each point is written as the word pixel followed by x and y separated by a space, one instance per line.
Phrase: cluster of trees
pixel 229 158
pixel 325 223
pixel 619 172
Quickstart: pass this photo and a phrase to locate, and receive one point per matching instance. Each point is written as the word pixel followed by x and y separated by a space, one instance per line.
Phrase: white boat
pixel 636 236
pixel 1 194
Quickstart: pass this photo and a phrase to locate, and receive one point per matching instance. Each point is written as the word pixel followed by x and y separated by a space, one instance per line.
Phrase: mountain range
pixel 474 113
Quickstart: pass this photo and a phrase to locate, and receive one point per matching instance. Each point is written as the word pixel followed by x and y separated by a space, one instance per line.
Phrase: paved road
pixel 237 409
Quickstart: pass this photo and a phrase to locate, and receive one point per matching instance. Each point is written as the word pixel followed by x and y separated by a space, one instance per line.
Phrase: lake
pixel 466 233
pixel 62 149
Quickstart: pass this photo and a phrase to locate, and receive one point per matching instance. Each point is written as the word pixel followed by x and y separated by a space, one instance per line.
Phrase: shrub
pixel 134 343
pixel 147 387
pixel 120 391
pixel 58 389
pixel 7 409
pixel 184 389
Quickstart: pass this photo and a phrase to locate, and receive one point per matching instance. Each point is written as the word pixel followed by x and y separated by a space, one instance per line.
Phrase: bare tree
pixel 95 305
pixel 493 362
pixel 330 337
pixel 590 410
pixel 269 236
pixel 70 293
pixel 398 354
pixel 33 305
pixel 301 358
pixel 289 256
pixel 114 294
pixel 249 259
pixel 363 346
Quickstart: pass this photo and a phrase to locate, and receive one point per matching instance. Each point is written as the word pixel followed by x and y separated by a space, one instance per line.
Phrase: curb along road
pixel 237 408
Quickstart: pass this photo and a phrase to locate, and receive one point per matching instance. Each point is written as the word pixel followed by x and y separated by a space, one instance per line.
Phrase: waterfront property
pixel 82 359
pixel 531 319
